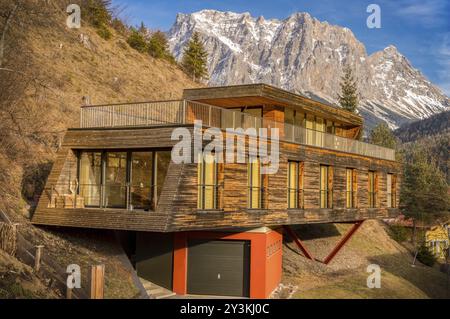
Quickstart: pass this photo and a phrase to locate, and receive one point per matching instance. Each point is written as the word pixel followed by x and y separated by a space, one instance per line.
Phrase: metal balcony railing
pixel 186 112
pixel 123 196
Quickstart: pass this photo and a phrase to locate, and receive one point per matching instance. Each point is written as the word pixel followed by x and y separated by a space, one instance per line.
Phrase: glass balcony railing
pixel 186 112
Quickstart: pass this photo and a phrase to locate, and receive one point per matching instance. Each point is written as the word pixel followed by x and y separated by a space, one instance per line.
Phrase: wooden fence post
pixel 97 281
pixel 69 293
pixel 8 238
pixel 37 257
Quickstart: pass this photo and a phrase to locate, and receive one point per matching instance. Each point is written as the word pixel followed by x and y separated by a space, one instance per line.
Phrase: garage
pixel 154 258
pixel 218 267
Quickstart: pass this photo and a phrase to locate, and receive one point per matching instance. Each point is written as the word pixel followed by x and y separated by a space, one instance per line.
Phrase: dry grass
pixel 106 71
pixel 17 281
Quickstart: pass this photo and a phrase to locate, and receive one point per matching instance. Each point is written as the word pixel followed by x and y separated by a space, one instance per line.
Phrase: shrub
pixel 137 41
pixel 425 256
pixel 399 233
pixel 119 26
pixel 97 12
pixel 104 32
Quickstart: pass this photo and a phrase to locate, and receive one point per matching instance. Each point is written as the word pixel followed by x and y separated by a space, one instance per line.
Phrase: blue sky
pixel 420 29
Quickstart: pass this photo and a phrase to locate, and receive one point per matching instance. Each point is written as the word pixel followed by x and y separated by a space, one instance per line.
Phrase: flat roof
pixel 261 93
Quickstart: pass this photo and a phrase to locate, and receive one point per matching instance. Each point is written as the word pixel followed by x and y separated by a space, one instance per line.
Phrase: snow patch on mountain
pixel 307 56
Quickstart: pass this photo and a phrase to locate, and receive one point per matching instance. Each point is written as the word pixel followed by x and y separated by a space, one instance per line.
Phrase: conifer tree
pixel 348 99
pixel 424 188
pixel 142 29
pixel 158 46
pixel 195 59
pixel 383 136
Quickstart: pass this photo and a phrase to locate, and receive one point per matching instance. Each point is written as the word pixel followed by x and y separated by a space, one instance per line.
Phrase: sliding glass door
pixel 162 165
pixel 124 179
pixel 141 180
pixel 90 174
pixel 116 179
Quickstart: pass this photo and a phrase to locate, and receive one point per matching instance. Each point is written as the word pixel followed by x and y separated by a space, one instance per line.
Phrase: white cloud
pixel 429 13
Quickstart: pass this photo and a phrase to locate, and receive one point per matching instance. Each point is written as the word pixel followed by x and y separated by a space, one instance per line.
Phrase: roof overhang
pixel 263 94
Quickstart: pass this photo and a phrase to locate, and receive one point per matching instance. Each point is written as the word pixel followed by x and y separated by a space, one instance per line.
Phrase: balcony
pixel 184 112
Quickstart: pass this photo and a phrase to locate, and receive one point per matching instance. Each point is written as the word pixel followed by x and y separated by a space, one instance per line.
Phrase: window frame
pixel 201 185
pixel 298 186
pixel 128 184
pixel 326 194
pixel 350 195
pixel 250 187
pixel 391 192
pixel 372 189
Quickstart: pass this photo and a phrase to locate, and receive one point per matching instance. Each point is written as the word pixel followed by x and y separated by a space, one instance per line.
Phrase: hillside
pixel 67 65
pixel 434 125
pixel 346 276
pixel 45 72
pixel 305 55
pixel 432 135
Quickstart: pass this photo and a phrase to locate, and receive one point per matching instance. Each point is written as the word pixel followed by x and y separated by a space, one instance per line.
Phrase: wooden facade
pixel 177 210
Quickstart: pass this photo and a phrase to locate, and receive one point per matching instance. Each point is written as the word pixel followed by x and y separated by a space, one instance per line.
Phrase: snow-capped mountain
pixel 307 56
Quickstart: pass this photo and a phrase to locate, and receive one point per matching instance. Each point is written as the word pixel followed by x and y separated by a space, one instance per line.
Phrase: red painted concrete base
pixel 265 259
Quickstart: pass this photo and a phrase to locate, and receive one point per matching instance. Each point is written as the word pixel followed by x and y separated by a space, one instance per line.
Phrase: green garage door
pixel 218 267
pixel 154 258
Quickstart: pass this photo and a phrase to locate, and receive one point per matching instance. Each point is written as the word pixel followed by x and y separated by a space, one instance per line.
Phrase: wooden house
pixel 216 228
pixel 437 240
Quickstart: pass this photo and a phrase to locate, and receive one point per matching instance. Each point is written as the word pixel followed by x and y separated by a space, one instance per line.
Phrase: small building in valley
pixel 437 239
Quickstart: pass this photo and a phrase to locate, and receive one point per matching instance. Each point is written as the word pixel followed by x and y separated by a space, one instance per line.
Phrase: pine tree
pixel 349 91
pixel 142 29
pixel 383 136
pixel 195 58
pixel 158 46
pixel 424 189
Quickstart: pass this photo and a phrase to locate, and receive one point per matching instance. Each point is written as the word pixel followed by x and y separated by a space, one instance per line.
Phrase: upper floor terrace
pixel 185 112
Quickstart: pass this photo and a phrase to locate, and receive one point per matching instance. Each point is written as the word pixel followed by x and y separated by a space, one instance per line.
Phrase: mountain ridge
pixel 304 55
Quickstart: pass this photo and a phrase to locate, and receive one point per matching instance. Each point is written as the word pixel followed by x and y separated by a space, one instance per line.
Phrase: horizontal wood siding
pixel 177 206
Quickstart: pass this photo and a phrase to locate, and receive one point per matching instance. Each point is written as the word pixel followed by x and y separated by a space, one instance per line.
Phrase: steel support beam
pixel 299 243
pixel 342 242
pixel 335 250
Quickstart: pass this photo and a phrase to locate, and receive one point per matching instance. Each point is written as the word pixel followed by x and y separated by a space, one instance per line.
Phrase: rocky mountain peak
pixel 305 55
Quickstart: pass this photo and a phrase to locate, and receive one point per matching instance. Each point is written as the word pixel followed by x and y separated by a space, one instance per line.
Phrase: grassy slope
pixel 18 281
pixel 106 71
pixel 109 72
pixel 346 276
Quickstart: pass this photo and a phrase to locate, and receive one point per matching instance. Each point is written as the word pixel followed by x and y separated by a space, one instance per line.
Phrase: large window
pixel 372 189
pixel 207 182
pixel 331 129
pixel 326 182
pixel 295 184
pixel 162 160
pixel 391 192
pixel 141 179
pixel 90 177
pixel 310 129
pixel 251 117
pixel 115 179
pixel 350 183
pixel 255 184
pixel 126 179
pixel 320 130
